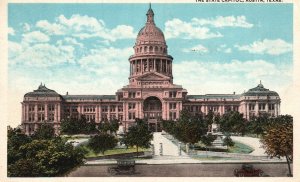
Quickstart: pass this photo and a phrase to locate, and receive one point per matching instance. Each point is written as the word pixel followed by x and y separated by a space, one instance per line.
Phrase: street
pixel 181 170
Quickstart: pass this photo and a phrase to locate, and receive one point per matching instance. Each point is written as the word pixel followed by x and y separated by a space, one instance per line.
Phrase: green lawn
pixel 90 153
pixel 240 148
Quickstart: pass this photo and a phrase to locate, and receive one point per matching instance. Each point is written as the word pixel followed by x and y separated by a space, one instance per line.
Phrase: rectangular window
pixel 131 94
pixel 31 117
pixel 50 117
pixel 74 108
pixel 131 115
pixel 51 107
pixel 172 115
pixel 261 106
pixel 112 108
pixel 271 107
pixel 104 108
pixel 41 107
pixel 172 94
pixel 41 117
pixel 172 105
pixel 251 107
pixel 131 106
pixel 31 108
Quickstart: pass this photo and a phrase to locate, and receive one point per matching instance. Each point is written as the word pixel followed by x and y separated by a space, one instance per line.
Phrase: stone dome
pixel 260 90
pixel 150 33
pixel 42 91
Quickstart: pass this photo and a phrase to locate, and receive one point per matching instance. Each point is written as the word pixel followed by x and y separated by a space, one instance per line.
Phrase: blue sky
pixel 84 48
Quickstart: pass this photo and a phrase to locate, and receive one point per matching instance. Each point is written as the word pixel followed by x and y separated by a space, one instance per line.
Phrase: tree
pixel 45 131
pixel 278 138
pixel 257 124
pixel 138 135
pixel 15 139
pixel 207 140
pixel 102 142
pixel 45 158
pixel 233 122
pixel 190 129
pixel 77 126
pixel 227 141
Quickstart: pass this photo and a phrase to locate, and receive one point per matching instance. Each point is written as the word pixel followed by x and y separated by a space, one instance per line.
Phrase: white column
pixel 108 112
pixel 97 114
pixel 26 112
pixel 59 111
pixel 55 113
pixel 23 113
pixel 100 113
pixel 46 112
pixel 35 112
pixel 256 108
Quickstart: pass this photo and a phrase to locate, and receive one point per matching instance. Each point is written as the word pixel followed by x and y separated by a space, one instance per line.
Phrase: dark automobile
pixel 247 170
pixel 124 166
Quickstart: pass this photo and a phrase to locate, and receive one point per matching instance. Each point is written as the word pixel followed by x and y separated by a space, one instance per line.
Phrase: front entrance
pixel 153 113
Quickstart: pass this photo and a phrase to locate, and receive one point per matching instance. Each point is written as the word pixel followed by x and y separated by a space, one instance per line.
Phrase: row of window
pixel 41 107
pixel 211 108
pixel 92 109
pixel 40 117
pixel 262 107
pixel 150 49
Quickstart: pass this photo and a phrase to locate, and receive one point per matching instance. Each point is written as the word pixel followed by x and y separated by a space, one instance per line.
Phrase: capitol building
pixel 150 93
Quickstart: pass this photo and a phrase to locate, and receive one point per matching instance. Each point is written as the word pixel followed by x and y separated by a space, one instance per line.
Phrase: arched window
pixel 161 49
pixel 156 49
pixel 145 49
pixel 151 49
pixel 165 51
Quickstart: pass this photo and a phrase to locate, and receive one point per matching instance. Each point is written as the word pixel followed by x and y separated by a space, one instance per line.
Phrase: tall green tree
pixel 138 135
pixel 45 131
pixel 233 122
pixel 278 138
pixel 102 142
pixel 15 139
pixel 257 124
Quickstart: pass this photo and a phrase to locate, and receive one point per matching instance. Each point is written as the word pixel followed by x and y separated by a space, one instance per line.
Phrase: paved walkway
pixel 252 142
pixel 169 148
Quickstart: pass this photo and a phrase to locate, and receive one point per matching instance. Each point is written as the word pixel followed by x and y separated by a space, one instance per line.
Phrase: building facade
pixel 150 94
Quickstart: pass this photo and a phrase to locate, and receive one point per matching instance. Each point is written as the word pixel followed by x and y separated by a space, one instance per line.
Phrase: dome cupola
pixel 150 38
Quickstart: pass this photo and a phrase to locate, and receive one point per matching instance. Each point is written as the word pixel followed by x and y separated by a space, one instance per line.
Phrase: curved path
pixel 252 142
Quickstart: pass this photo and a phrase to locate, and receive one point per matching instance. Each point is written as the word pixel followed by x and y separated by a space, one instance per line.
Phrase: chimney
pixel 67 93
pixel 233 93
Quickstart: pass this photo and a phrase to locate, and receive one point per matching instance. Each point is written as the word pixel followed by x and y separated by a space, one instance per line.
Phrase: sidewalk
pixel 169 148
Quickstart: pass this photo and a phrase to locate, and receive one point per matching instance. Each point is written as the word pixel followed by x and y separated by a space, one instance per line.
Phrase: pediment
pixel 153 77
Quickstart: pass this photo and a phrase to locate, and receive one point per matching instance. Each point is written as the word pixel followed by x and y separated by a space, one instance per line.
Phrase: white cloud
pixel 69 41
pixel 11 31
pixel 198 48
pixel 84 27
pixel 51 29
pixel 14 49
pixel 35 37
pixel 107 61
pixel 224 48
pixel 272 47
pixel 187 30
pixel 221 21
pixel 44 55
pixel 26 27
pixel 214 77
